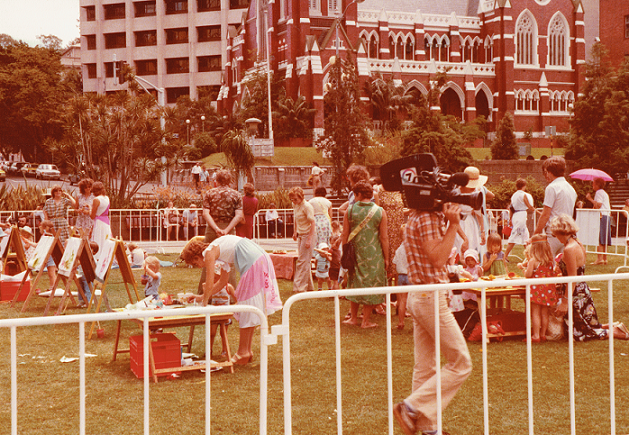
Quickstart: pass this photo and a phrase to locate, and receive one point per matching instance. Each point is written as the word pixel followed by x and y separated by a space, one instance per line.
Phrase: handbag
pixel 348 259
pixel 555 329
pixel 506 229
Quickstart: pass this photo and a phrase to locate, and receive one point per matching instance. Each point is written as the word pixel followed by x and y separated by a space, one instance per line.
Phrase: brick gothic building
pixel 520 56
pixel 614 29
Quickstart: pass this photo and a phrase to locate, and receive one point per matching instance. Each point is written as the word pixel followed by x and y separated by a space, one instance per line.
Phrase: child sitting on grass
pixel 226 296
pixel 136 255
pixel 152 277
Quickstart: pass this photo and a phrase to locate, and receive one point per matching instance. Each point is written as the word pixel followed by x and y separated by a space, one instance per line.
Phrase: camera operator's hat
pixel 476 179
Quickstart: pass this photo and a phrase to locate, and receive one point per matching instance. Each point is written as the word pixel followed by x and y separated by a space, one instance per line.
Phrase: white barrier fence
pixel 286 331
pixel 81 319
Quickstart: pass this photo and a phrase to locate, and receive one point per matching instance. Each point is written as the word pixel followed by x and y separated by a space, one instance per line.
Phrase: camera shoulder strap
pixel 365 221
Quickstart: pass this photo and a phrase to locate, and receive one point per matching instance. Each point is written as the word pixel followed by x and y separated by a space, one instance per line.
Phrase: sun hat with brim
pixel 471 253
pixel 27 230
pixel 476 179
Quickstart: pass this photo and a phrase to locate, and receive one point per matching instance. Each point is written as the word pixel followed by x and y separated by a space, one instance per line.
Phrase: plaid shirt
pixel 421 227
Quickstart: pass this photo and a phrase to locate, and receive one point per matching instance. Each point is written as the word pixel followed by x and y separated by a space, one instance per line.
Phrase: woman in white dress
pixel 100 214
pixel 521 204
pixel 472 224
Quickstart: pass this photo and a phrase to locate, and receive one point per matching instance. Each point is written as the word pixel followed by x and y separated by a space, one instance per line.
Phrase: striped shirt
pixel 421 227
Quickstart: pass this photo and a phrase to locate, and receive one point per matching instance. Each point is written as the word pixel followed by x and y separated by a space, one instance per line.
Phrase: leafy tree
pixel 204 142
pixel 33 92
pixel 255 104
pixel 345 136
pixel 599 135
pixel 504 146
pixel 293 119
pixel 433 132
pixel 118 138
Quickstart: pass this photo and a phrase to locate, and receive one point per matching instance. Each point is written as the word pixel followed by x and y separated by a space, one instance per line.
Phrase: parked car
pixel 28 170
pixel 3 175
pixel 16 168
pixel 46 171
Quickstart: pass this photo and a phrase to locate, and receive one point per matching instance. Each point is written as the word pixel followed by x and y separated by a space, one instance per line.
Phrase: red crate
pixel 166 353
pixel 9 288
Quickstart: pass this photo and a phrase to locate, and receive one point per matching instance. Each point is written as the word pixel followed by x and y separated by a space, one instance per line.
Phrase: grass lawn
pixel 304 156
pixel 48 389
pixel 284 156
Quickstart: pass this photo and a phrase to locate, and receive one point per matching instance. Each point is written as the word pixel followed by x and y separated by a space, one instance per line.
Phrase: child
pixel 84 285
pixel 273 222
pixel 335 263
pixel 543 296
pixel 222 297
pixel 46 227
pixel 474 269
pixel 152 276
pixel 495 263
pixel 28 242
pixel 323 256
pixel 136 255
pixel 401 267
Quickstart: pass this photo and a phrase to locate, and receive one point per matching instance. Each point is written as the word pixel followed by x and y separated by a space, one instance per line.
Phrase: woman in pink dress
pixel 249 208
pixel 257 285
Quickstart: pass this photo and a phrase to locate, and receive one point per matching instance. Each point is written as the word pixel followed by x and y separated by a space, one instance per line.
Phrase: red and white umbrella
pixel 590 174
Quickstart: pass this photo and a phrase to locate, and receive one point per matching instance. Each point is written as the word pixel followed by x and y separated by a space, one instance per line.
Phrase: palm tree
pixel 239 154
pixel 293 119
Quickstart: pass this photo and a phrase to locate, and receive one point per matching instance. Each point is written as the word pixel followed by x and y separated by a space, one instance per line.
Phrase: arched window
pixel 558 40
pixel 489 50
pixel 373 47
pixel 315 6
pixel 391 47
pixel 444 52
pixel 526 39
pixel 399 49
pixel 435 51
pixel 475 51
pixel 409 49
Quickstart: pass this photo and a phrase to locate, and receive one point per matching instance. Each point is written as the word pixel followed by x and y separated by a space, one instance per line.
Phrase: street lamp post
pixel 340 18
pixel 203 123
pixel 187 132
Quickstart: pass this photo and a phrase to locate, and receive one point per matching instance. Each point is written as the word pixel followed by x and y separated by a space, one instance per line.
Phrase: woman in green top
pixel 371 245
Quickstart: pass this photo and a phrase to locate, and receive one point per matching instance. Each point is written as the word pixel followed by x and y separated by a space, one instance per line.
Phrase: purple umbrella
pixel 590 174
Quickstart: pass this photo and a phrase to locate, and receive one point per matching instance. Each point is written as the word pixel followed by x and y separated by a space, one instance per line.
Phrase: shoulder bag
pixel 348 259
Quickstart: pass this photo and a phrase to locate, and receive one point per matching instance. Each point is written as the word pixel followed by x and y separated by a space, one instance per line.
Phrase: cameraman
pixel 428 244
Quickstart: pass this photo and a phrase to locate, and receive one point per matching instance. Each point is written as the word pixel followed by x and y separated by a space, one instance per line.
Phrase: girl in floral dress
pixel 543 296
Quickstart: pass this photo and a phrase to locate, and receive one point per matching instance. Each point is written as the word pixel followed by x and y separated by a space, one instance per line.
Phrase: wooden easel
pixel 113 248
pixel 14 250
pixel 46 247
pixel 77 253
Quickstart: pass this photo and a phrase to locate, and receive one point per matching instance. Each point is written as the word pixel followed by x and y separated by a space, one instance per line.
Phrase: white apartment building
pixel 177 45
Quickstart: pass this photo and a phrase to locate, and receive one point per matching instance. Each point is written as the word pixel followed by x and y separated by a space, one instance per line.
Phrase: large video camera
pixel 424 186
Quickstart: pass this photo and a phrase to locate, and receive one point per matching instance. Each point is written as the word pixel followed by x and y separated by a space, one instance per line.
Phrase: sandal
pixel 241 360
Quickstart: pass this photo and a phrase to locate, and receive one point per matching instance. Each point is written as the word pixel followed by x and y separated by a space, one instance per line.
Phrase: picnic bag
pixel 555 329
pixel 348 259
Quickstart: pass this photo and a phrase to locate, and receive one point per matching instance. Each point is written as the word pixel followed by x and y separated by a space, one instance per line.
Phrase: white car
pixel 47 171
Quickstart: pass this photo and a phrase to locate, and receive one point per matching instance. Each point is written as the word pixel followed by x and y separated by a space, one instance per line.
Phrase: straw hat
pixel 476 179
pixel 27 230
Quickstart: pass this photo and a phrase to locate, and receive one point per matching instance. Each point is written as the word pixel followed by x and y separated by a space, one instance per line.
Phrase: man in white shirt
pixel 601 201
pixel 195 171
pixel 559 198
pixel 190 219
